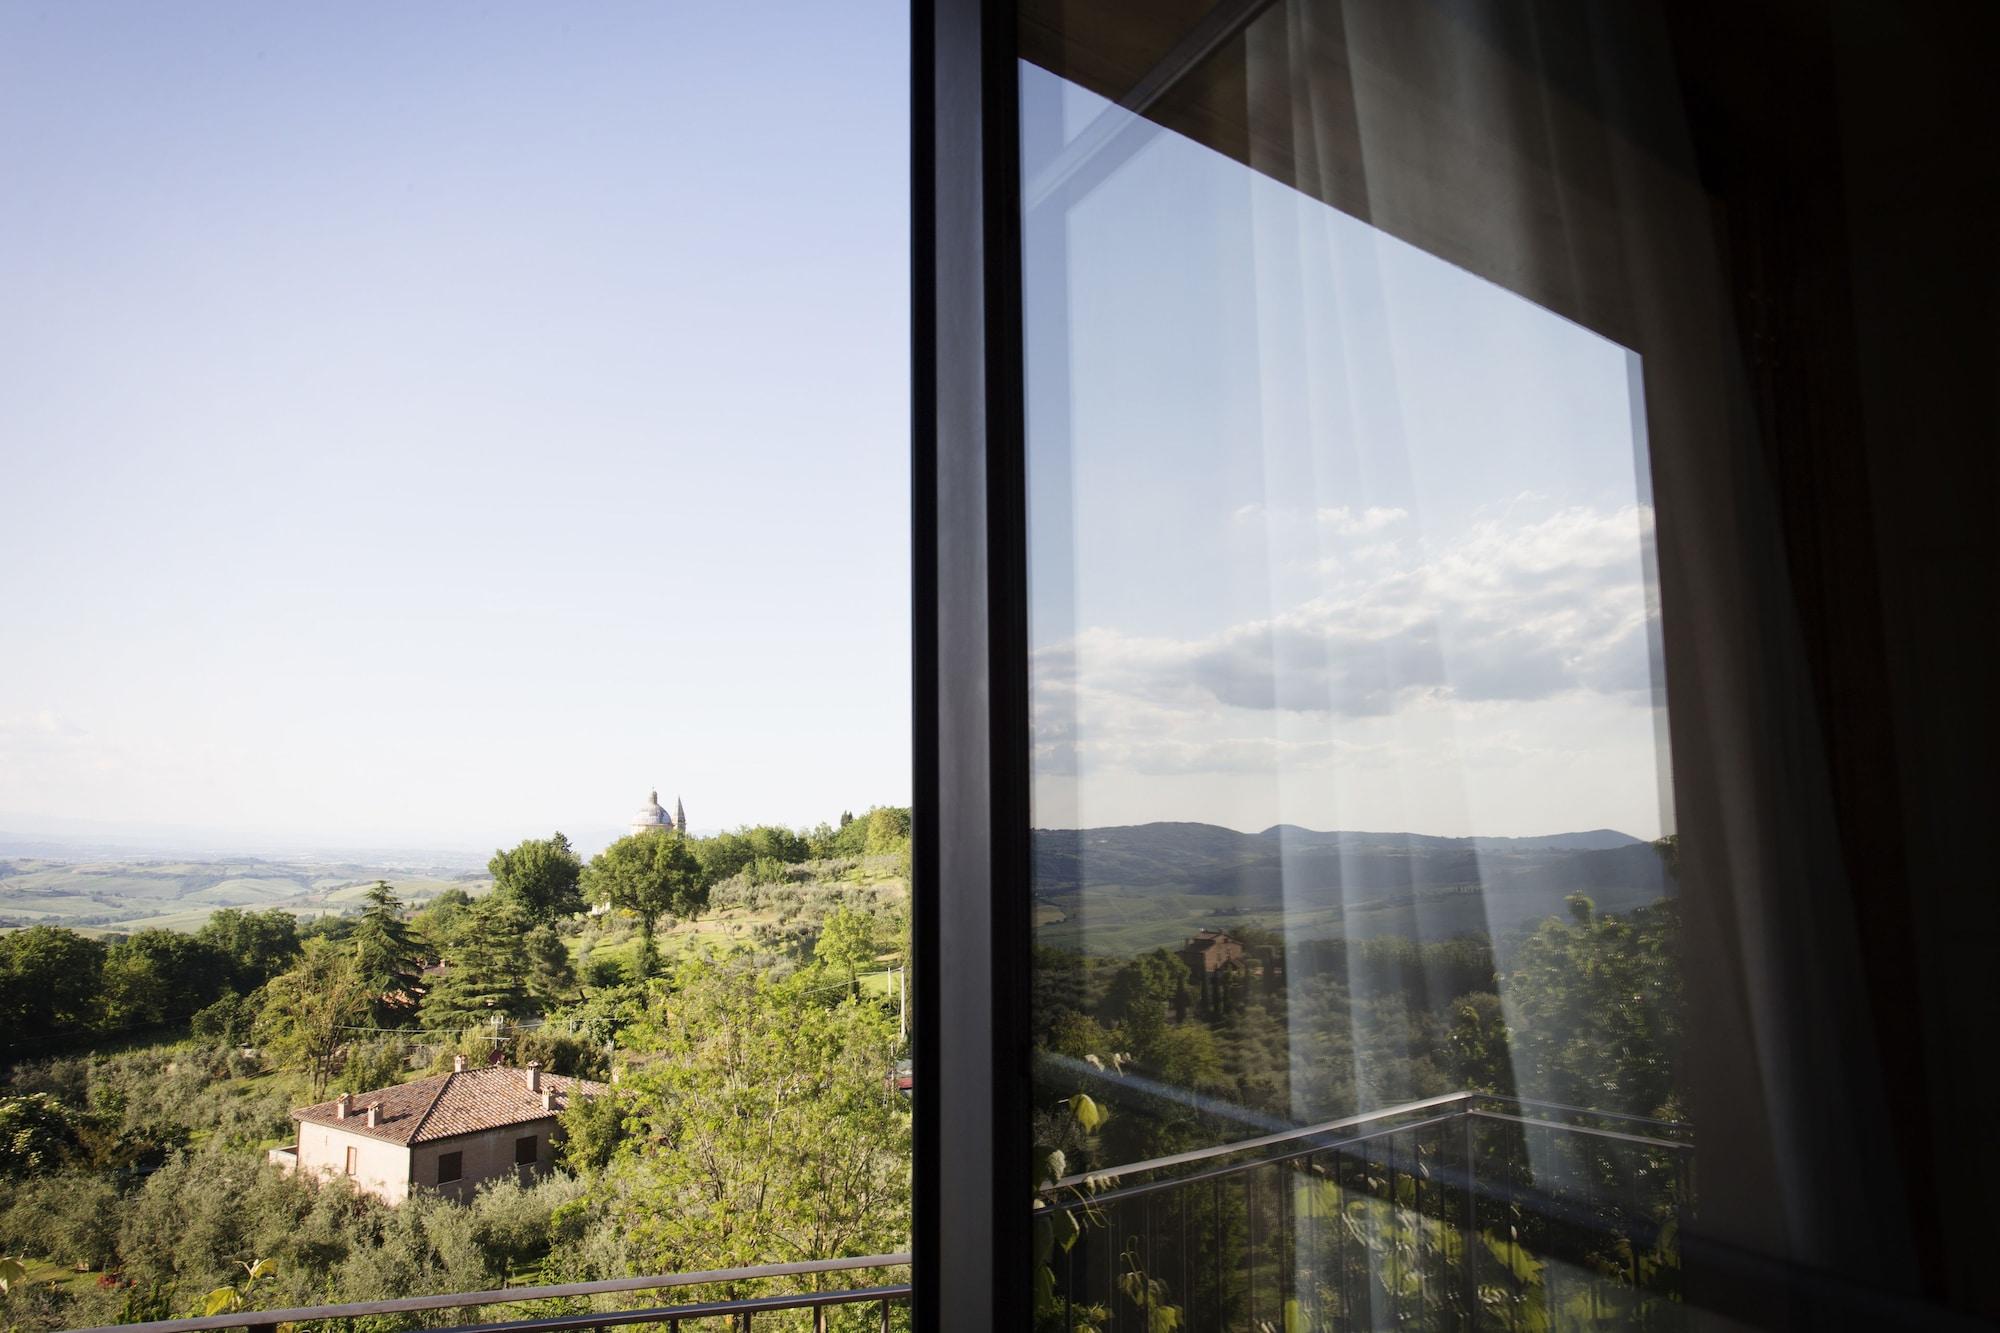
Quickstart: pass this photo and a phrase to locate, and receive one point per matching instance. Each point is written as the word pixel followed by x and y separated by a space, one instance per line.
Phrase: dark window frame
pixel 970 1236
pixel 532 1145
pixel 456 1161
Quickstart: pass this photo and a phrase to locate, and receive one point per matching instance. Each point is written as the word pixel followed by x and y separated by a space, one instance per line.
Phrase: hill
pixel 125 895
pixel 1134 887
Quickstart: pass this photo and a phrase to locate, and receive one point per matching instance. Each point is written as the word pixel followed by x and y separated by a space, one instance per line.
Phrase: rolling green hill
pixel 100 897
pixel 1136 887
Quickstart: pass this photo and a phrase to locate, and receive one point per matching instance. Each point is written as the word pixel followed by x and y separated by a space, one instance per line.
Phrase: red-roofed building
pixel 449 1133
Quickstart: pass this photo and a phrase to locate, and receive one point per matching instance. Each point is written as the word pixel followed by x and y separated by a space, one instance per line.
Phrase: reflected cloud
pixel 1510 610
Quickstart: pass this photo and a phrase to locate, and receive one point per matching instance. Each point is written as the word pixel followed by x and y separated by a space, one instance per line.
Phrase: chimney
pixel 534 1076
pixel 458 1063
pixel 548 1099
pixel 342 1106
pixel 374 1114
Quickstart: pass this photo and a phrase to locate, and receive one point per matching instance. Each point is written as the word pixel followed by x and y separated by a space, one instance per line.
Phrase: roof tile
pixel 447 1105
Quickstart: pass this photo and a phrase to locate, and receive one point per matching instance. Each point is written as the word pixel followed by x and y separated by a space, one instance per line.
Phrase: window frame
pixel 971 1223
pixel 457 1160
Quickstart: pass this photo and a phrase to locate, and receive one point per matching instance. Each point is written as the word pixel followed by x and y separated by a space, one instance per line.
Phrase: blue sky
pixel 438 424
pixel 1325 530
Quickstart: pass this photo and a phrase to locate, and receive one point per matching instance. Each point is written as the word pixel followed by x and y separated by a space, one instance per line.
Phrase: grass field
pixel 778 918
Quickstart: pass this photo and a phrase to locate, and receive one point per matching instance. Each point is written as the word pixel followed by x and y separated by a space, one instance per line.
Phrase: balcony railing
pixel 1461 1212
pixel 584 1305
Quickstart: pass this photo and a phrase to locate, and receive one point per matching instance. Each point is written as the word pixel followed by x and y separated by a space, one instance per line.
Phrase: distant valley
pixel 109 896
pixel 1132 888
pixel 1114 890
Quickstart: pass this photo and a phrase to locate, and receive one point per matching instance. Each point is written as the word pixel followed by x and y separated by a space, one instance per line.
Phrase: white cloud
pixel 1509 611
pixel 1347 522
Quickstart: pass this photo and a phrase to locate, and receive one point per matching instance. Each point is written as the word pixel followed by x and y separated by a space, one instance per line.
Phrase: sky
pixel 1324 530
pixel 439 424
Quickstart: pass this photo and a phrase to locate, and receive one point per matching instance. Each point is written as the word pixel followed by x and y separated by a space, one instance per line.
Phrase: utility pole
pixel 902 1003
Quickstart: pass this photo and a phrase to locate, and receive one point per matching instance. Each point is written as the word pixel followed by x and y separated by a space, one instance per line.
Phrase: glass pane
pixel 1357 984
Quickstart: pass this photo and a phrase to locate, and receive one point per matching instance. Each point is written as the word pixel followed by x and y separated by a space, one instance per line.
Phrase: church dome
pixel 651 816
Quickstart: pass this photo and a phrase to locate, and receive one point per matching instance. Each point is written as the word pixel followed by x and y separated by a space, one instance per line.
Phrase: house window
pixel 350 1160
pixel 527 1150
pixel 451 1166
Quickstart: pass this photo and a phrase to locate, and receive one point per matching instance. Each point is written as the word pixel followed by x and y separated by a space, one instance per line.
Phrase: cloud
pixel 1508 611
pixel 1346 522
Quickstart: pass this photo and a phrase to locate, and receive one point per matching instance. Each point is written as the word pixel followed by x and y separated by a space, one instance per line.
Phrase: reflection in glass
pixel 1357 982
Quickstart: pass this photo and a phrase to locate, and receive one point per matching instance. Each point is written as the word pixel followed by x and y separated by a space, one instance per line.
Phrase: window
pixel 1409 593
pixel 1445 621
pixel 527 1150
pixel 351 1154
pixel 451 1166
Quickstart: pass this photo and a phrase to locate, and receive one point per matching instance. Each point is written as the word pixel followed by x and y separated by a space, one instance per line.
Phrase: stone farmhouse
pixel 1209 951
pixel 450 1132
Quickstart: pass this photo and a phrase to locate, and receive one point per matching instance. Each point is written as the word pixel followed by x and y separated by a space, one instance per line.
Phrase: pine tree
pixel 486 971
pixel 552 975
pixel 391 961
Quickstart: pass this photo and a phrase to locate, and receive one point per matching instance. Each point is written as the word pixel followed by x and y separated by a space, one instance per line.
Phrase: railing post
pixel 1469 1243
pixel 885 1315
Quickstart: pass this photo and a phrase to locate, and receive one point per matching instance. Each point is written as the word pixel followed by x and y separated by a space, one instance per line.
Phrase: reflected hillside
pixel 1149 886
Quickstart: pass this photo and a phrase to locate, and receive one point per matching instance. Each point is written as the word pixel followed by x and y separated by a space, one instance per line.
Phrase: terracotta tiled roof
pixel 447 1105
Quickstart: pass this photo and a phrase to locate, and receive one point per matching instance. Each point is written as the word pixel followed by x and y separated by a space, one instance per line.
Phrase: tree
pixel 773 842
pixel 37 1135
pixel 161 976
pixel 888 830
pixel 650 875
pixel 784 1139
pixel 847 942
pixel 439 920
pixel 1139 995
pixel 851 838
pixel 1475 1043
pixel 231 1020
pixel 1596 1004
pixel 258 945
pixel 390 958
pixel 486 970
pixel 552 973
pixel 541 875
pixel 310 1008
pixel 49 978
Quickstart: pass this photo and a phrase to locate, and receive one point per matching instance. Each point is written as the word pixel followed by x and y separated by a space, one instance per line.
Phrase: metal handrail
pixel 1590 1131
pixel 1110 1196
pixel 671 1315
pixel 1263 1141
pixel 1466 1101
pixel 515 1295
pixel 1586 1110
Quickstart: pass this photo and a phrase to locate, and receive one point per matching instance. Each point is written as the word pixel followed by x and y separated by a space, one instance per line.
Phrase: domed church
pixel 653 818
